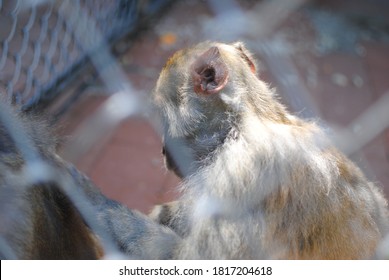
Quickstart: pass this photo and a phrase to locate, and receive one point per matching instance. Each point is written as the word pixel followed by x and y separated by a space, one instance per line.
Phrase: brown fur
pixel 59 232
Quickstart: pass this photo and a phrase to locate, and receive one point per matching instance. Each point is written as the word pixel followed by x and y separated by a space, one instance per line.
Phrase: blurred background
pixel 90 66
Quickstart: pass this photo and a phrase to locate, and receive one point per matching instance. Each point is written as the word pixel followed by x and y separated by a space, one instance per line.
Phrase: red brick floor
pixel 128 165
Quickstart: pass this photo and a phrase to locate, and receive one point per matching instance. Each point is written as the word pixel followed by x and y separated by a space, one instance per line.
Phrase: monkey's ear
pixel 246 55
pixel 209 72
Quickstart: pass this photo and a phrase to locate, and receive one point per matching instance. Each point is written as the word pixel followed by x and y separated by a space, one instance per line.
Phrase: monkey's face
pixel 201 94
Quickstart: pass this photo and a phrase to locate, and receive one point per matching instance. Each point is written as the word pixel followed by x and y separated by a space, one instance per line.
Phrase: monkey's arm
pixel 135 234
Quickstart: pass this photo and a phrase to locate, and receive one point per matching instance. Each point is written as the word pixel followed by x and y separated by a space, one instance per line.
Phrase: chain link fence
pixel 44 44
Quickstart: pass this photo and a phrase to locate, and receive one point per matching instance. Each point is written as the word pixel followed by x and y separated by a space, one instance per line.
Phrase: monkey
pixel 40 220
pixel 257 181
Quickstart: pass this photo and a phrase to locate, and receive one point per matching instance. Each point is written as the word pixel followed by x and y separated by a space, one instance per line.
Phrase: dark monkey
pixel 39 220
pixel 258 182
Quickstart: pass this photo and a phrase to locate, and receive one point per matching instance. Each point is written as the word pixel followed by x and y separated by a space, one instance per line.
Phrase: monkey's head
pixel 203 94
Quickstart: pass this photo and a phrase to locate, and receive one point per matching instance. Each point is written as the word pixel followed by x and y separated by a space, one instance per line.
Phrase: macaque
pixel 258 182
pixel 39 220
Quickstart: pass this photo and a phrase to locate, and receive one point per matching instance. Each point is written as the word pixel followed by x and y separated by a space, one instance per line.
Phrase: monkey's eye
pixel 163 150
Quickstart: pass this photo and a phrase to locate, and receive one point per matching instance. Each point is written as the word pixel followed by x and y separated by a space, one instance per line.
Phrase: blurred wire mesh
pixel 44 45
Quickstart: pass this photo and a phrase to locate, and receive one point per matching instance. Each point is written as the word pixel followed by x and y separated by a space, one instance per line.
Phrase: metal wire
pixel 41 45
